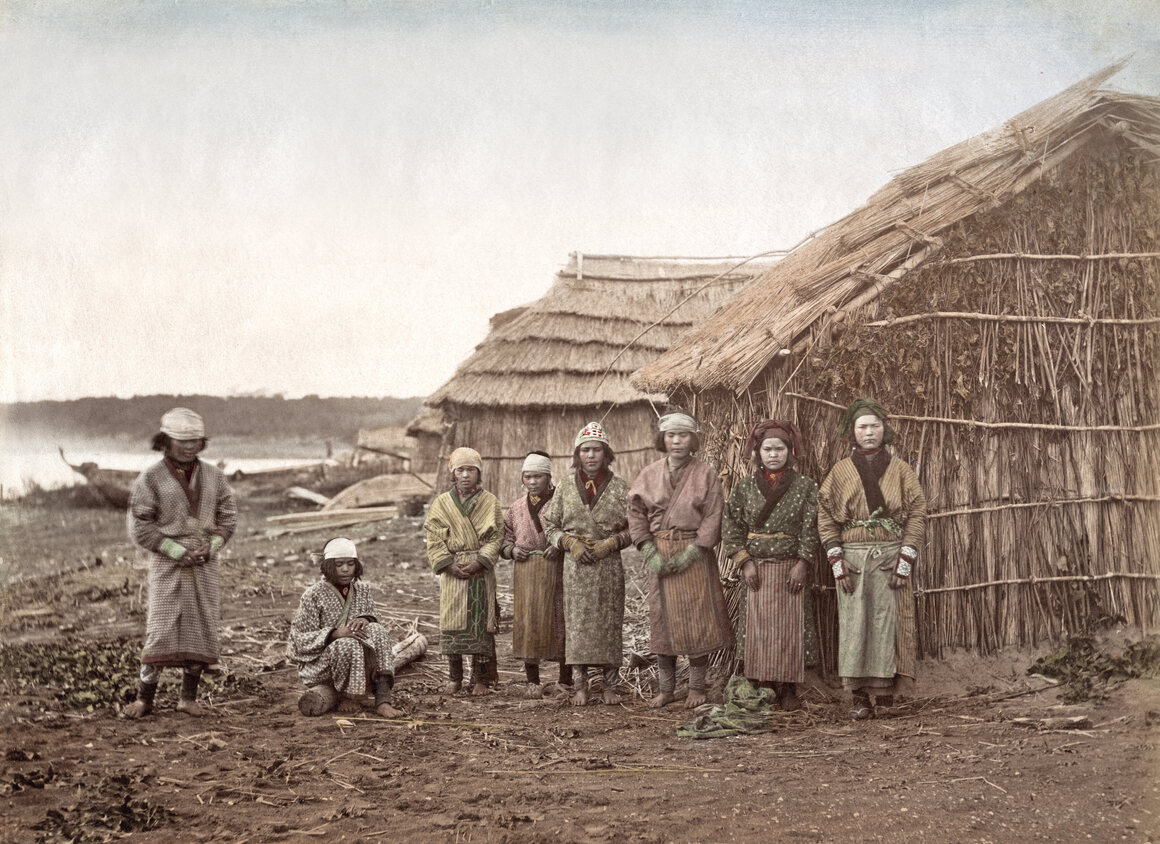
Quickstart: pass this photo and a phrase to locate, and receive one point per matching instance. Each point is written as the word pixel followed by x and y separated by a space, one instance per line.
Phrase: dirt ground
pixel 951 764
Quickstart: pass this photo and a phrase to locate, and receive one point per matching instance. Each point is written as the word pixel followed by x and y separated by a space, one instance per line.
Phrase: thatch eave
pixel 855 258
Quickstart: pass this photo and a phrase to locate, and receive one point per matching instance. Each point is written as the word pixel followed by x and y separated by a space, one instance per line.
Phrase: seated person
pixel 335 640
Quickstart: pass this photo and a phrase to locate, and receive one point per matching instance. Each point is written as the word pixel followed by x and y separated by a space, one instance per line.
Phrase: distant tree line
pixel 246 416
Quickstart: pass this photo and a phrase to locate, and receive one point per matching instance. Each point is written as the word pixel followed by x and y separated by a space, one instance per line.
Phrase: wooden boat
pixel 397 488
pixel 112 485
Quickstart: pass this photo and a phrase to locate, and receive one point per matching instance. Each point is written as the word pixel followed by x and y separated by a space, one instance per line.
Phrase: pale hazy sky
pixel 311 197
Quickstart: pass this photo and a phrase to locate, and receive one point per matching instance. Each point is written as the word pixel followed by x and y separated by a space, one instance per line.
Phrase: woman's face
pixel 536 483
pixel 678 443
pixel 868 432
pixel 466 478
pixel 183 451
pixel 774 454
pixel 592 458
pixel 344 570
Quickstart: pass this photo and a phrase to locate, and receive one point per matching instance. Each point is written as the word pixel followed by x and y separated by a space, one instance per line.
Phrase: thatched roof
pixel 556 351
pixel 428 422
pixel 857 257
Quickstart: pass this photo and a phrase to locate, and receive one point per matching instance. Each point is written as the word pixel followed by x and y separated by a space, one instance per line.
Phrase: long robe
pixel 773 630
pixel 593 592
pixel 687 613
pixel 348 664
pixel 458 531
pixel 184 611
pixel 877 646
pixel 537 587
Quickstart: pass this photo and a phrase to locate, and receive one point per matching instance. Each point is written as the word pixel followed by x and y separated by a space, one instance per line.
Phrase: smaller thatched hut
pixel 1002 300
pixel 425 440
pixel 549 367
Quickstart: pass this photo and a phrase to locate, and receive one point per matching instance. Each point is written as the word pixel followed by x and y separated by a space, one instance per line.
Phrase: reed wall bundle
pixel 1036 436
pixel 1002 301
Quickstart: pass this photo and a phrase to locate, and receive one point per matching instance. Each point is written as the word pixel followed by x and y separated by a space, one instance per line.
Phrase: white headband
pixel 538 463
pixel 678 422
pixel 340 549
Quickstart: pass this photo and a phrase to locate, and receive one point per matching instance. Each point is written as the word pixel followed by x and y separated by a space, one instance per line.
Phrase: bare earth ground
pixel 950 765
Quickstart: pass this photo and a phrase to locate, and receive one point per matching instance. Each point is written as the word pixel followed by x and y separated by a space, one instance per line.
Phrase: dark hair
pixel 161 441
pixel 329 568
pixel 608 453
pixel 694 446
pixel 540 453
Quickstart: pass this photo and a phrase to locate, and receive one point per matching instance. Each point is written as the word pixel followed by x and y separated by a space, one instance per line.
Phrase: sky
pixel 256 196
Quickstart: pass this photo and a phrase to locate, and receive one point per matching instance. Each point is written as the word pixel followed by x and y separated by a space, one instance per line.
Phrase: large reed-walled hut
pixel 1002 301
pixel 549 367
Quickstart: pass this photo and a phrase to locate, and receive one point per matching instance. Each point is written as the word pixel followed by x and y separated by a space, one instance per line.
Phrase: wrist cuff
pixel 903 568
pixel 835 552
pixel 838 568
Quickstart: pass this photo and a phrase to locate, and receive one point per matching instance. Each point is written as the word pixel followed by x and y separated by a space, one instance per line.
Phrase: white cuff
pixel 903 568
pixel 838 568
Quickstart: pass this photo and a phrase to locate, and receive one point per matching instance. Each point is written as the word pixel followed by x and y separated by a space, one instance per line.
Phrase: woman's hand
pixel 466 571
pixel 750 573
pixel 349 631
pixel 553 554
pixel 797 577
pixel 897 582
pixel 519 554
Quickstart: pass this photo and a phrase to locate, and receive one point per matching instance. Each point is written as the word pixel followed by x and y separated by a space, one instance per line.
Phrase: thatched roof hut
pixel 1001 300
pixel 551 366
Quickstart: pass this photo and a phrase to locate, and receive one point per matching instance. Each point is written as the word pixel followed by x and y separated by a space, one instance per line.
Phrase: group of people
pixel 564 541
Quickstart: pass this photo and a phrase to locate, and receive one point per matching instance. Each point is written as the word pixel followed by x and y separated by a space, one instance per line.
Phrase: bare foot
pixel 348 706
pixel 611 698
pixel 479 690
pixel 190 707
pixel 385 710
pixel 452 688
pixel 663 699
pixel 137 709
pixel 533 691
pixel 695 699
pixel 581 697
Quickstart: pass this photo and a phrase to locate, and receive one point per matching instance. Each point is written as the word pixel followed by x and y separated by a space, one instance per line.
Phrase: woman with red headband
pixel 769 530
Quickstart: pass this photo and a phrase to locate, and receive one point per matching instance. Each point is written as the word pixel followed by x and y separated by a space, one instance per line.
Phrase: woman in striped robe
pixel 872 522
pixel 770 532
pixel 464 530
pixel 674 516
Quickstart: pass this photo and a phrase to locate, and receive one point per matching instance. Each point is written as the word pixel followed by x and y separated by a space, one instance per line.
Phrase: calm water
pixel 30 459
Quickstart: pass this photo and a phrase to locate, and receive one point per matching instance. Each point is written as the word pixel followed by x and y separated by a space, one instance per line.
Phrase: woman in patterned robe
pixel 770 533
pixel 587 521
pixel 674 516
pixel 872 522
pixel 336 641
pixel 537 577
pixel 464 530
pixel 181 513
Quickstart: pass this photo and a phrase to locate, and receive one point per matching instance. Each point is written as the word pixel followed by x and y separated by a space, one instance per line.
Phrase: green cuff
pixel 171 548
pixel 445 563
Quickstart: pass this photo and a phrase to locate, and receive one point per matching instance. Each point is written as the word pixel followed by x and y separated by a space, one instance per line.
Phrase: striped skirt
pixel 774 625
pixel 686 610
pixel 538 608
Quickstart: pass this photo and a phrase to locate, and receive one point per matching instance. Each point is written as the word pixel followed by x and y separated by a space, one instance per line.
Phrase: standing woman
pixel 181 513
pixel 770 532
pixel 674 515
pixel 872 522
pixel 464 530
pixel 586 520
